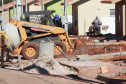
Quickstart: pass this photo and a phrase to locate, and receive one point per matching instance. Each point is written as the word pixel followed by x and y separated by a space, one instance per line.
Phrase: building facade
pixel 85 11
pixel 52 5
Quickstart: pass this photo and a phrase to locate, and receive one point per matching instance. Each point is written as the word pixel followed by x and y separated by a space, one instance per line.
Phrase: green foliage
pixel 5 1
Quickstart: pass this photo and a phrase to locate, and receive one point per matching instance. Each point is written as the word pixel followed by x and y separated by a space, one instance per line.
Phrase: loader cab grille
pixel 39 17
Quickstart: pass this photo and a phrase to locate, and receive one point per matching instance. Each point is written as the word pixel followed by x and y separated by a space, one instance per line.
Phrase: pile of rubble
pixel 47 65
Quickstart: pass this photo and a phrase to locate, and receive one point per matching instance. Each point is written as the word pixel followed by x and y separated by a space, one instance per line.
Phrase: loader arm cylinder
pixel 68 39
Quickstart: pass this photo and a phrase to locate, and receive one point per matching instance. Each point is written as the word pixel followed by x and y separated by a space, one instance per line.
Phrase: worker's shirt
pixel 96 22
pixel 58 23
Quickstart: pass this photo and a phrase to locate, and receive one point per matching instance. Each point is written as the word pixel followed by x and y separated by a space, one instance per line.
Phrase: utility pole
pixel 3 25
pixel 13 8
pixel 42 5
pixel 19 9
pixel 65 14
pixel 22 7
pixel 26 6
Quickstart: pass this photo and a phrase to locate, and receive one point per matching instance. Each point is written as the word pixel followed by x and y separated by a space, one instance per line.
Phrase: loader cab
pixel 39 17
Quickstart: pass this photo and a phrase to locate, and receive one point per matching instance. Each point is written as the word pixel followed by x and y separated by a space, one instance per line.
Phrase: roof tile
pixel 45 1
pixel 106 1
pixel 6 6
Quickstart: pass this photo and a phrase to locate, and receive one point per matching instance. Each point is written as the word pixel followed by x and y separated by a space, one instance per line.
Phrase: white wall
pixel 110 22
pixel 88 10
pixel 34 8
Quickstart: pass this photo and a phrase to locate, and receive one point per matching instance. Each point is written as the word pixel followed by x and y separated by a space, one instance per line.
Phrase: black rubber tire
pixel 30 44
pixel 62 46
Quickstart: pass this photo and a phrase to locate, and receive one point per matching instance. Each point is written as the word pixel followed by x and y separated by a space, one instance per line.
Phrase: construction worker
pixel 96 23
pixel 57 21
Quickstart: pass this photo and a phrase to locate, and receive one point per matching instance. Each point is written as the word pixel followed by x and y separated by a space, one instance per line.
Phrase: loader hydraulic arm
pixel 53 30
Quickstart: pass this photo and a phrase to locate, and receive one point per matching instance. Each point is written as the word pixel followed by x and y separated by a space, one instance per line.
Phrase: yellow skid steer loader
pixel 34 27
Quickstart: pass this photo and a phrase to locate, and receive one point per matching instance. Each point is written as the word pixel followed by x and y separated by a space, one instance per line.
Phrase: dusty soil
pixel 81 48
pixel 119 76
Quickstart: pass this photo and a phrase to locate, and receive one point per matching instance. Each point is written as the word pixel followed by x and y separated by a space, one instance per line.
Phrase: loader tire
pixel 30 51
pixel 61 46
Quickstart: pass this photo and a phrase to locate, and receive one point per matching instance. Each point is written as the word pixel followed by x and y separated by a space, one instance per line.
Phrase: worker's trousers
pixel 97 30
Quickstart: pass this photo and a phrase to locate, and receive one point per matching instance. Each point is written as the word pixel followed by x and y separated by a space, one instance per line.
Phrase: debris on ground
pixel 47 65
pixel 92 60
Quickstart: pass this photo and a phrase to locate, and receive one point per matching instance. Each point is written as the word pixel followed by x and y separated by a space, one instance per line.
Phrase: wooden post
pixel 120 51
pixel 105 50
pixel 2 51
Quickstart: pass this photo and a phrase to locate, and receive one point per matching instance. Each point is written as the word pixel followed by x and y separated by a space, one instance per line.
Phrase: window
pixel 119 16
pixel 5 1
pixel 112 12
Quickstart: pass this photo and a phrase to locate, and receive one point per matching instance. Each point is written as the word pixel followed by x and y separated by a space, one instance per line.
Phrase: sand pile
pixel 47 65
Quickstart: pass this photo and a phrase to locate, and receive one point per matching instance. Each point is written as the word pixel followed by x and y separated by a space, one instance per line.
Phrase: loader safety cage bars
pixel 39 17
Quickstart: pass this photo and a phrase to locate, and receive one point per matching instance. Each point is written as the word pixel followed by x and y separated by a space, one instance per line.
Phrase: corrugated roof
pixel 9 5
pixel 106 1
pixel 45 2
pixel 69 2
pixel 110 1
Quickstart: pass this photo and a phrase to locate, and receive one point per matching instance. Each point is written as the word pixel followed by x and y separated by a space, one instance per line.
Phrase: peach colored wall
pixel 88 10
pixel 6 16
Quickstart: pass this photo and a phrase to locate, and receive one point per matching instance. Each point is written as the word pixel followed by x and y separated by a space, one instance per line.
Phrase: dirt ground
pixel 17 77
pixel 82 44
pixel 89 71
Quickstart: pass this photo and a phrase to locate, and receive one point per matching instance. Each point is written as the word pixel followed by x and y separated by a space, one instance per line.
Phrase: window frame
pixel 110 13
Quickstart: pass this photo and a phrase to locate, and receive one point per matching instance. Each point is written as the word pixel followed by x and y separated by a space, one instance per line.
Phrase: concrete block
pixel 112 41
pixel 14 60
pixel 104 69
pixel 83 57
pixel 105 41
pixel 96 41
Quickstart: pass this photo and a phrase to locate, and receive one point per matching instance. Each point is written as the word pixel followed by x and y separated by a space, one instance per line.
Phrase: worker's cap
pixel 96 17
pixel 56 17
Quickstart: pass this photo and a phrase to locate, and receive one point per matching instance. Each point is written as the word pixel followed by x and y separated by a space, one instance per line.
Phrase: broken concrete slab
pixel 96 41
pixel 112 41
pixel 83 57
pixel 116 78
pixel 105 43
pixel 85 63
pixel 109 55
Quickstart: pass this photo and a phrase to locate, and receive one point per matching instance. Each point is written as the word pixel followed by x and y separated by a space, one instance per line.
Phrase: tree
pixel 5 1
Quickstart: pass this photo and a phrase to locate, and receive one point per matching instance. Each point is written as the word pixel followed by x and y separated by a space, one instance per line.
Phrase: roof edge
pixel 102 1
pixel 39 3
pixel 72 2
pixel 15 4
pixel 115 1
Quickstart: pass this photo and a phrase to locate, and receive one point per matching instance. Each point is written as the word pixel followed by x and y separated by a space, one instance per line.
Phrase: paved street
pixel 18 77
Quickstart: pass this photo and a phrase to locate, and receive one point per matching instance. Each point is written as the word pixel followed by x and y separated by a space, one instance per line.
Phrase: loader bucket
pixel 81 48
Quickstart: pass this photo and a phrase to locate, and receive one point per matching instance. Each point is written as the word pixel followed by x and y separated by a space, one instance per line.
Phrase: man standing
pixel 57 21
pixel 96 24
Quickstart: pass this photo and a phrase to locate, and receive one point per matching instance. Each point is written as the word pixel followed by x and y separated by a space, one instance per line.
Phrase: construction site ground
pixel 100 69
pixel 89 73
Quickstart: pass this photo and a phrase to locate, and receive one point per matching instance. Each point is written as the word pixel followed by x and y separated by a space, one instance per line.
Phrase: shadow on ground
pixel 83 80
pixel 110 80
pixel 110 37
